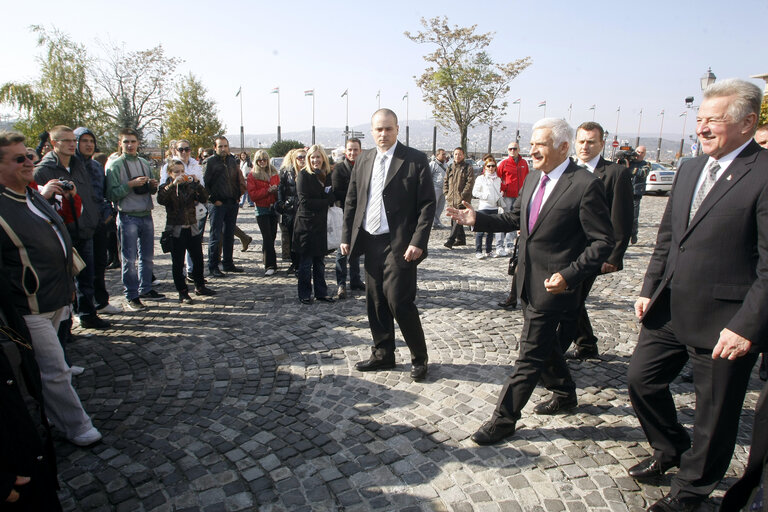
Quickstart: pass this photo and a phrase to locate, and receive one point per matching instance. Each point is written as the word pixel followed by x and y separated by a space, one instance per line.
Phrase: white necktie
pixel 377 186
pixel 706 186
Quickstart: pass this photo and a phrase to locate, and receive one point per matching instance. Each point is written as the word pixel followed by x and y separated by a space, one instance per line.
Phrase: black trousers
pixel 180 246
pixel 719 385
pixel 100 249
pixel 540 359
pixel 268 227
pixel 391 295
pixel 457 235
pixel 580 333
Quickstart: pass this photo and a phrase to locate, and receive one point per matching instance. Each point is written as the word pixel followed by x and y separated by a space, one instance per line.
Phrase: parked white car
pixel 659 180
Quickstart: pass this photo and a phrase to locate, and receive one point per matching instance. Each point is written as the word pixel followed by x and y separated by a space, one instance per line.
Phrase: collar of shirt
pixel 591 165
pixel 553 175
pixel 725 161
pixel 390 153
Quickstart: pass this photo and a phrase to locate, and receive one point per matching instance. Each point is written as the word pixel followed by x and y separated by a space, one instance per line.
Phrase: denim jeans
pixel 223 220
pixel 311 271
pixel 341 269
pixel 489 236
pixel 508 237
pixel 84 280
pixel 439 206
pixel 137 242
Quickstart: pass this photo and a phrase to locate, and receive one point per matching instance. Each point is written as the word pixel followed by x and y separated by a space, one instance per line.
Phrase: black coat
pixel 287 197
pixel 310 234
pixel 617 181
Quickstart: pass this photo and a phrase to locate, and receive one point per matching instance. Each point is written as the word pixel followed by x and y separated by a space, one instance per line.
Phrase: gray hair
pixel 561 130
pixel 748 97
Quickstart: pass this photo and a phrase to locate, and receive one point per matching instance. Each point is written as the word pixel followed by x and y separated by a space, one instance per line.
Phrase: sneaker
pixel 204 290
pixel 87 438
pixel 136 305
pixel 109 309
pixel 152 294
pixel 233 268
pixel 341 293
pixel 76 370
pixel 269 272
pixel 184 298
pixel 93 322
pixel 501 252
pixel 480 255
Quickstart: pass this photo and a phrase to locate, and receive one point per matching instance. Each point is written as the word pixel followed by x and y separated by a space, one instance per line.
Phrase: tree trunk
pixel 463 130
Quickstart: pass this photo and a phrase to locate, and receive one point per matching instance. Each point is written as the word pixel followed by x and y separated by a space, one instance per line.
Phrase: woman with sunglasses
pixel 310 235
pixel 245 167
pixel 487 189
pixel 288 201
pixel 262 182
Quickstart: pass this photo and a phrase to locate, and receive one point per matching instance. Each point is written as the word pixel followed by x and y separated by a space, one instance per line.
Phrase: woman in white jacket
pixel 488 190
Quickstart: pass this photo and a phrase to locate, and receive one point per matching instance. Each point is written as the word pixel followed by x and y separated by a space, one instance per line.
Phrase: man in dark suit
pixel 565 235
pixel 342 173
pixel 388 216
pixel 705 298
pixel 618 194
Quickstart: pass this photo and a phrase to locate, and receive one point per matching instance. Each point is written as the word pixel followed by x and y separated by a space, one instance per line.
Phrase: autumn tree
pixel 61 95
pixel 136 85
pixel 281 148
pixel 462 83
pixel 191 115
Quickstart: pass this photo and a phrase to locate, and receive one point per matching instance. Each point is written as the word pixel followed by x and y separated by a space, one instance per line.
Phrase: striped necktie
pixel 377 187
pixel 706 186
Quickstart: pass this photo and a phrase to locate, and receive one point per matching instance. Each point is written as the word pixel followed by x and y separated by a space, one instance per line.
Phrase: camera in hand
pixel 66 185
pixel 142 189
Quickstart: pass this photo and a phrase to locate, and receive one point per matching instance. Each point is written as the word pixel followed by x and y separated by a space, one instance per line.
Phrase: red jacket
pixel 65 208
pixel 512 175
pixel 258 190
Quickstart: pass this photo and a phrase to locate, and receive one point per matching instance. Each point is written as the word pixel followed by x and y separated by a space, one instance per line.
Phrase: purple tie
pixel 533 214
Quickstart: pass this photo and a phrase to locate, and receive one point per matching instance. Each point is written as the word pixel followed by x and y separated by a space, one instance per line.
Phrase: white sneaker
pixel 77 370
pixel 480 255
pixel 87 438
pixel 501 252
pixel 269 272
pixel 109 309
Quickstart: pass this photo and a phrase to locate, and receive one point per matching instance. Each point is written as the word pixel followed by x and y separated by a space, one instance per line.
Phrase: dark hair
pixel 8 138
pixel 353 139
pixel 128 131
pixel 590 126
pixel 459 148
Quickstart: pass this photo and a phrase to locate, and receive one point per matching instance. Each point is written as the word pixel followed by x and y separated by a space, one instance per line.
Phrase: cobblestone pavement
pixel 249 401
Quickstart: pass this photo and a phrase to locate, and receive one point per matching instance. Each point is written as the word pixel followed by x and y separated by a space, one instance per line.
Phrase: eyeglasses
pixel 513 149
pixel 261 159
pixel 301 157
pixel 20 159
pixel 490 166
pixel 182 150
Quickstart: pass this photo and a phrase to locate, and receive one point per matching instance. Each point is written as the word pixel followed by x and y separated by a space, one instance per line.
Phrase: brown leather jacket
pixel 458 184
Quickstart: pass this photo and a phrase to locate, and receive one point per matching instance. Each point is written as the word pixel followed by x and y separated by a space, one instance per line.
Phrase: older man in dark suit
pixel 705 298
pixel 388 216
pixel 618 194
pixel 565 236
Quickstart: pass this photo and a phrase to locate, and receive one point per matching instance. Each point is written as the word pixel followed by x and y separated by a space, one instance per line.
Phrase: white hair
pixel 748 97
pixel 561 130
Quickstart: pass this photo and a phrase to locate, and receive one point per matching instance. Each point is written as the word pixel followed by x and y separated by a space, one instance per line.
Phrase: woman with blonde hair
pixel 487 189
pixel 288 201
pixel 310 240
pixel 262 183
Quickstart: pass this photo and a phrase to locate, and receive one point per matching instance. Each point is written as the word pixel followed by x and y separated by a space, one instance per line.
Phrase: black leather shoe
pixel 584 352
pixel 448 245
pixel 93 322
pixel 556 405
pixel 650 467
pixel 325 299
pixel 510 303
pixel 373 364
pixel 494 431
pixel 204 290
pixel 306 301
pixel 233 268
pixel 152 294
pixel 673 504
pixel 216 273
pixel 184 298
pixel 419 372
pixel 358 286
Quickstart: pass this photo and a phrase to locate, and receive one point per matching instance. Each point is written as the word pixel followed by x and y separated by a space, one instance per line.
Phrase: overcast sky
pixel 639 55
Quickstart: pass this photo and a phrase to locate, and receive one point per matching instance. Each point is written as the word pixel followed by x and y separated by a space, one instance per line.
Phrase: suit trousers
pixel 457 236
pixel 391 295
pixel 581 332
pixel 540 359
pixel 719 385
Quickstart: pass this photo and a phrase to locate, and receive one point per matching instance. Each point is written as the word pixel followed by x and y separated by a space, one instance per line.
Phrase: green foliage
pixel 462 83
pixel 62 94
pixel 764 111
pixel 191 115
pixel 278 149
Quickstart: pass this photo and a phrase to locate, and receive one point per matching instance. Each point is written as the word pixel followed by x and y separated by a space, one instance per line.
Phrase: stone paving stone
pixel 249 400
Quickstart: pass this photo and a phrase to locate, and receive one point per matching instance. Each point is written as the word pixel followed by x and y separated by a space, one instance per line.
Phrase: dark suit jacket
pixel 617 181
pixel 342 172
pixel 572 236
pixel 409 201
pixel 716 267
pixel 310 229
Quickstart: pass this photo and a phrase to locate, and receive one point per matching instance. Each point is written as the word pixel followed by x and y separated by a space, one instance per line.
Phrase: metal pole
pixel 517 137
pixel 661 130
pixel 242 131
pixel 407 130
pixel 434 139
pixel 313 116
pixel 637 142
pixel 346 127
pixel 378 97
pixel 278 116
pixel 570 108
pixel 682 140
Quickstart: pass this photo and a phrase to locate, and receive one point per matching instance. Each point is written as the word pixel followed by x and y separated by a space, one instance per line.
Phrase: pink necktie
pixel 533 214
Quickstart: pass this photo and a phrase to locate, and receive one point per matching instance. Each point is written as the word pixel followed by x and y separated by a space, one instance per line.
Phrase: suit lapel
pixel 561 186
pixel 397 162
pixel 527 193
pixel 366 170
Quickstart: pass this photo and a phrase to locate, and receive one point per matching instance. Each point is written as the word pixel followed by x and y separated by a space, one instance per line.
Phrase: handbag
pixel 335 221
pixel 166 241
pixel 200 211
pixel 78 263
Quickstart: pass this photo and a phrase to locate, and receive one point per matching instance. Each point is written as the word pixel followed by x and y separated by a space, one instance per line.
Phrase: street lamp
pixel 706 80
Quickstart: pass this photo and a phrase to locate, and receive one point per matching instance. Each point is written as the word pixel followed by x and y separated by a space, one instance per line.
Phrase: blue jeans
pixel 84 280
pixel 245 198
pixel 311 271
pixel 489 236
pixel 509 237
pixel 223 219
pixel 341 269
pixel 137 241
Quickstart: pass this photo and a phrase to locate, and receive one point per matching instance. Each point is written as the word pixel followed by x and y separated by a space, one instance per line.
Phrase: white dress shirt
pixel 553 175
pixel 384 225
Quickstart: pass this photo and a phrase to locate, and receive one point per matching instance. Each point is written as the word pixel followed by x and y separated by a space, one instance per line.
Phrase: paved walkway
pixel 249 401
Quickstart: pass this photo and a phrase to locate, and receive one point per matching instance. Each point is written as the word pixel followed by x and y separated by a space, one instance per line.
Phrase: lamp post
pixel 637 142
pixel 706 80
pixel 661 130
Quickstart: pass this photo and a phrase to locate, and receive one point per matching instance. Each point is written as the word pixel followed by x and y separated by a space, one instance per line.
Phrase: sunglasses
pixel 20 159
pixel 261 159
pixel 182 150
pixel 302 157
pixel 490 166
pixel 513 149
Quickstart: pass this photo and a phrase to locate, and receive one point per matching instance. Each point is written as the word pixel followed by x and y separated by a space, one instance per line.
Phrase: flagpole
pixel 242 131
pixel 517 133
pixel 637 142
pixel 313 116
pixel 407 128
pixel 682 141
pixel 346 127
pixel 278 115
pixel 570 108
pixel 378 97
pixel 616 133
pixel 661 130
